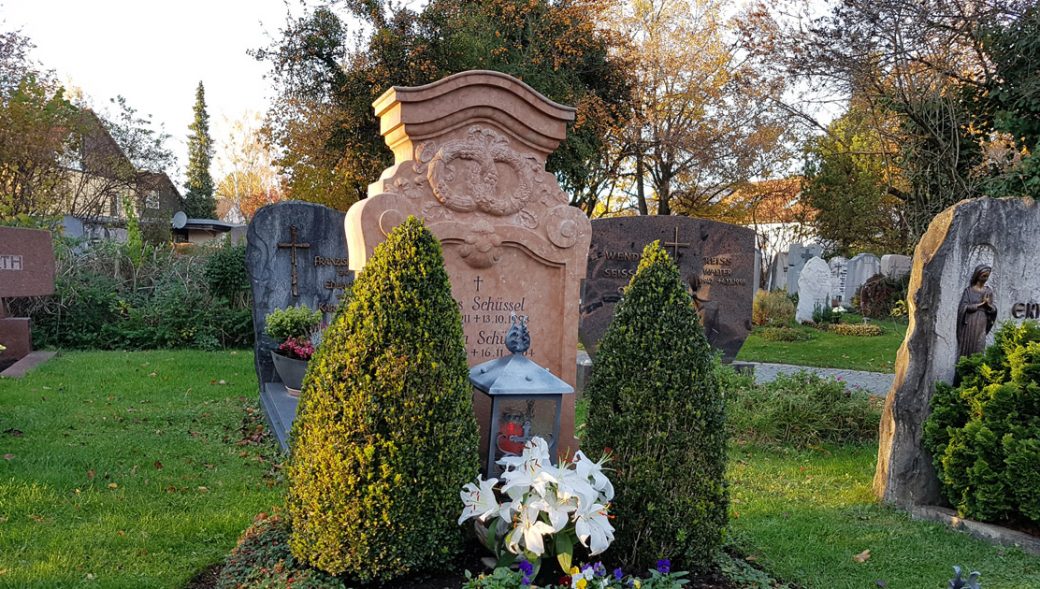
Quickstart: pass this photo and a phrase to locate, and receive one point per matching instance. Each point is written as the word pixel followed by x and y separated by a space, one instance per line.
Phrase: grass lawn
pixel 129 469
pixel 830 350
pixel 803 515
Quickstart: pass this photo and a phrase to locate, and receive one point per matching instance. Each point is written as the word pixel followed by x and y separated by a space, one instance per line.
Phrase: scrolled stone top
pixel 410 114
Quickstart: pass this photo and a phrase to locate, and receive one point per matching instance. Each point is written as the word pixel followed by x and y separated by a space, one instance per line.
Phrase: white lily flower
pixel 593 528
pixel 532 470
pixel 576 487
pixel 594 471
pixel 556 508
pixel 530 529
pixel 479 501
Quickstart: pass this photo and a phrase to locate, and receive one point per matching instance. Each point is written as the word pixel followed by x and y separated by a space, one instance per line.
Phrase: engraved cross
pixel 675 244
pixel 294 245
pixel 477 282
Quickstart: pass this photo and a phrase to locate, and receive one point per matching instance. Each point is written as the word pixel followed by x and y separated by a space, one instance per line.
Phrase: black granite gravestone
pixel 296 254
pixel 717 262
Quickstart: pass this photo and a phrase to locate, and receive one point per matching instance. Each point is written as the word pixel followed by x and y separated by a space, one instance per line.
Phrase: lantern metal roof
pixel 517 374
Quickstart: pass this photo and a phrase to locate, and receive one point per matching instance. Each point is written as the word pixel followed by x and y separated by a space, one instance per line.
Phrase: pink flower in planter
pixel 298 348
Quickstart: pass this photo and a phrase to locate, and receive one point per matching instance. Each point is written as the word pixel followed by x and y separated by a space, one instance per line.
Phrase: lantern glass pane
pixel 520 419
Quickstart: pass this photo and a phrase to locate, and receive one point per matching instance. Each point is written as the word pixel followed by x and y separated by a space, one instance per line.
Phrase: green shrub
pixel 772 308
pixel 261 560
pixel 784 334
pixel 654 401
pixel 800 410
pixel 825 315
pixel 385 437
pixel 226 274
pixel 857 329
pixel 296 322
pixel 984 435
pixel 879 294
pixel 104 299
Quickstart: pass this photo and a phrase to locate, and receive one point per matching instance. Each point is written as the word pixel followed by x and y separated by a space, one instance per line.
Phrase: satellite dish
pixel 179 220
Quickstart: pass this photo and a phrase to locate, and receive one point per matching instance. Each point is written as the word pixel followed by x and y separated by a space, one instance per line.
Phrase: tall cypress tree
pixel 199 202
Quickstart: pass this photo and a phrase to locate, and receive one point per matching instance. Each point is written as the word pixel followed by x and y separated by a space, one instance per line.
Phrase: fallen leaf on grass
pixel 862 557
pixel 8 456
pixel 113 485
pixel 91 474
pixel 158 465
pixel 120 533
pixel 751 558
pixel 203 490
pixel 152 374
pixel 36 518
pixel 13 432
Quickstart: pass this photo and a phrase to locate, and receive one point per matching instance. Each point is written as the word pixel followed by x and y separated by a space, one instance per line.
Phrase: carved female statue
pixel 976 313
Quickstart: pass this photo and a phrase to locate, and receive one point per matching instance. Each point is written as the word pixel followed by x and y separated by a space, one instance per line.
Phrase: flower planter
pixel 290 370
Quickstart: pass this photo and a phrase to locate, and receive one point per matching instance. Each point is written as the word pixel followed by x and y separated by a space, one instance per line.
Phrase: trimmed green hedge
pixel 654 400
pixel 385 437
pixel 984 435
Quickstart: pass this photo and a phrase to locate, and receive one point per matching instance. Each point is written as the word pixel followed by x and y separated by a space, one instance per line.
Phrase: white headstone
pixel 797 256
pixel 861 268
pixel 895 265
pixel 814 288
pixel 839 267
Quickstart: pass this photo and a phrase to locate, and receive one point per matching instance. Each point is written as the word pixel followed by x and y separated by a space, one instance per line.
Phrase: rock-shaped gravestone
pixel 296 255
pixel 839 267
pixel 896 266
pixel 469 158
pixel 1001 233
pixel 797 257
pixel 861 268
pixel 814 288
pixel 717 262
pixel 778 272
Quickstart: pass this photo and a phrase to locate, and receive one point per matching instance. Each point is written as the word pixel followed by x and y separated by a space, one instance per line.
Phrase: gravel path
pixel 877 383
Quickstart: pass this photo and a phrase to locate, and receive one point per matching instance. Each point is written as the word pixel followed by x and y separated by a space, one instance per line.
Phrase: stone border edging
pixel 991 533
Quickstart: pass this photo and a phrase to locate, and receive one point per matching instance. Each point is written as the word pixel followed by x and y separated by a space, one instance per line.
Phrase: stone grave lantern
pixel 525 401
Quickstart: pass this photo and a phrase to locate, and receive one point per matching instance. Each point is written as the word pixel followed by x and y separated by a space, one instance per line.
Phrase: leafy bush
pixel 984 435
pixel 784 334
pixel 293 322
pixel 104 299
pixel 261 560
pixel 825 315
pixel 385 435
pixel 226 274
pixel 772 308
pixel 654 401
pixel 857 329
pixel 799 410
pixel 879 294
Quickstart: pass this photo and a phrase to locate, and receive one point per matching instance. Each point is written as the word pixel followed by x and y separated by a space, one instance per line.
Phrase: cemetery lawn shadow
pixel 830 350
pixel 804 515
pixel 130 469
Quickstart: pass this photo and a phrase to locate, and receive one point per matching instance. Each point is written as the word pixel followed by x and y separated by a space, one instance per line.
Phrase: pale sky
pixel 155 53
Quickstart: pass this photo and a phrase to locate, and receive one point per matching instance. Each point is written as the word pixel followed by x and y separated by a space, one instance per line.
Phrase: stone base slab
pixel 19 368
pixel 989 532
pixel 280 408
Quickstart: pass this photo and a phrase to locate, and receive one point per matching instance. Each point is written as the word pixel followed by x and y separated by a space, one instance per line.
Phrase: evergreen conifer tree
pixel 654 400
pixel 385 437
pixel 199 202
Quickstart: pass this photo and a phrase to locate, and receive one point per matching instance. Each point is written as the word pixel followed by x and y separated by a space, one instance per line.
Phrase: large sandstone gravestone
pixel 26 270
pixel 861 268
pixel 469 158
pixel 896 266
pixel 814 288
pixel 1004 233
pixel 296 255
pixel 717 262
pixel 797 256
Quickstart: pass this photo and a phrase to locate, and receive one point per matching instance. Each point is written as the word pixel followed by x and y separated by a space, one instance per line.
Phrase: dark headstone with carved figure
pixel 717 262
pixel 296 254
pixel 26 270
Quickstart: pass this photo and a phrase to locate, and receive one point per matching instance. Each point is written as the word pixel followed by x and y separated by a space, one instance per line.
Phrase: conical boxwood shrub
pixel 654 401
pixel 385 436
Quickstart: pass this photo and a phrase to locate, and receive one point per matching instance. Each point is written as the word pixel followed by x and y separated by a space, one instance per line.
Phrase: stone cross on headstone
pixel 293 246
pixel 675 245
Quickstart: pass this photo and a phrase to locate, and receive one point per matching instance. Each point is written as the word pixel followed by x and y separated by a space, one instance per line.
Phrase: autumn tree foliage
pixel 327 77
pixel 248 178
